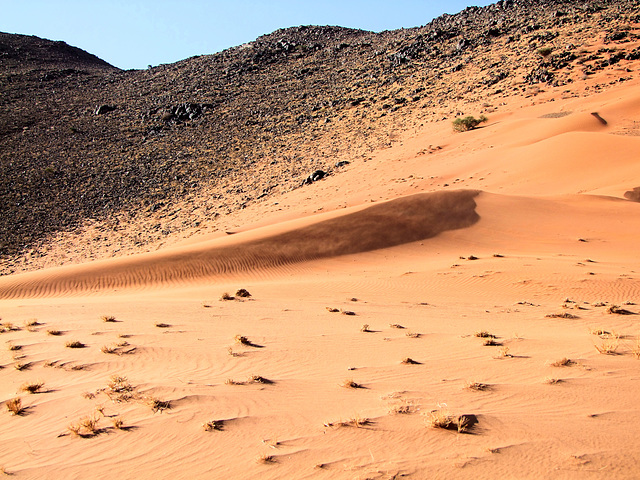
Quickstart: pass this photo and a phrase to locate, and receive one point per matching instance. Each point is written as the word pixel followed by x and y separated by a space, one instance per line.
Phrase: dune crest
pixel 388 224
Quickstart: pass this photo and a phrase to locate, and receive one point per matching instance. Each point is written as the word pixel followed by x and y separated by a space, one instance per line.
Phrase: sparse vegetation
pixel 74 344
pixel 22 365
pixel 476 386
pixel 213 425
pixel 108 318
pixel 112 349
pixel 491 342
pixel 609 345
pixel 467 123
pixel 504 353
pixel 226 296
pixel 32 387
pixel 562 315
pixel 409 361
pixel 54 333
pixel 484 334
pixel 265 459
pixel 552 380
pixel 15 406
pixel 349 383
pixel 259 379
pixel 242 340
pixel 118 423
pixel 441 418
pixel 85 427
pixel 13 347
pixel 617 310
pixel 563 362
pixel 365 328
pixel 413 335
pixel 159 405
pixel 243 293
pixel 396 325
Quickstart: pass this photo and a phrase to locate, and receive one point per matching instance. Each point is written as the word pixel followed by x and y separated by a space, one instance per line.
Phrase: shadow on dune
pixel 388 224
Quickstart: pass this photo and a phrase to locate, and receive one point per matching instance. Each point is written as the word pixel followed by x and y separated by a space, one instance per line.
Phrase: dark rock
pixel 314 177
pixel 342 163
pixel 102 109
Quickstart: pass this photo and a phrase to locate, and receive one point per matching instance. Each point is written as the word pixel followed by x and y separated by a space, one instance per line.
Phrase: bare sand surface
pixel 492 274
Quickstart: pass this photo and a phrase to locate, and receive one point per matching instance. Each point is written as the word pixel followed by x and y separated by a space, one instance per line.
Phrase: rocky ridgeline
pixel 81 140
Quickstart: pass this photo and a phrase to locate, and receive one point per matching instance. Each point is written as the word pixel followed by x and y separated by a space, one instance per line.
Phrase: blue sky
pixel 137 33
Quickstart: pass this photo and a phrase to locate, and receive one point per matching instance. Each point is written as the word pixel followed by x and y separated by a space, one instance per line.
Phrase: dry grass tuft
pixel 242 340
pixel 413 335
pixel 561 315
pixel 32 322
pixel 112 349
pixel 400 410
pixel 159 405
pixel 365 328
pixel 13 347
pixel 396 325
pixel 332 310
pixel 409 361
pixel 85 427
pixel 484 334
pixel 8 327
pixel 504 353
pixel 15 406
pixel 54 333
pixel 226 296
pixel 265 459
pixel 552 380
pixel 615 309
pixel 441 418
pixel 480 387
pixel 599 331
pixel 231 381
pixel 259 379
pixel 347 312
pixel 22 366
pixel 349 383
pixel 563 362
pixel 32 387
pixel 609 345
pixel 108 318
pixel 491 342
pixel 243 293
pixel 74 344
pixel 213 425
pixel 118 423
pixel 119 389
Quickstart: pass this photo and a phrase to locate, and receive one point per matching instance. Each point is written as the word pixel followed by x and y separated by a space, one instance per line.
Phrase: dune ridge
pixel 384 225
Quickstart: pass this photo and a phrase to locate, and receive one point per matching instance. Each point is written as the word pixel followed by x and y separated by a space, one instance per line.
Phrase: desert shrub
pixel 467 123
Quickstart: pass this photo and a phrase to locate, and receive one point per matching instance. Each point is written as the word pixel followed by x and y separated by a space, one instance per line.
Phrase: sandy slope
pixel 493 231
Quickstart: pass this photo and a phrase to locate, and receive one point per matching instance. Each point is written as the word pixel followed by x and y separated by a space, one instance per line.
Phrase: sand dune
pixel 392 223
pixel 496 276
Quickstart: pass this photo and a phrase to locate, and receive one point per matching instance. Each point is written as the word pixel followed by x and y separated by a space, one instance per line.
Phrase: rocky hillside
pixel 81 140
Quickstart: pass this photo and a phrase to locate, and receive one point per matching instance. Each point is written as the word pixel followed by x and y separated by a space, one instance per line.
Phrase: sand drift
pixel 403 220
